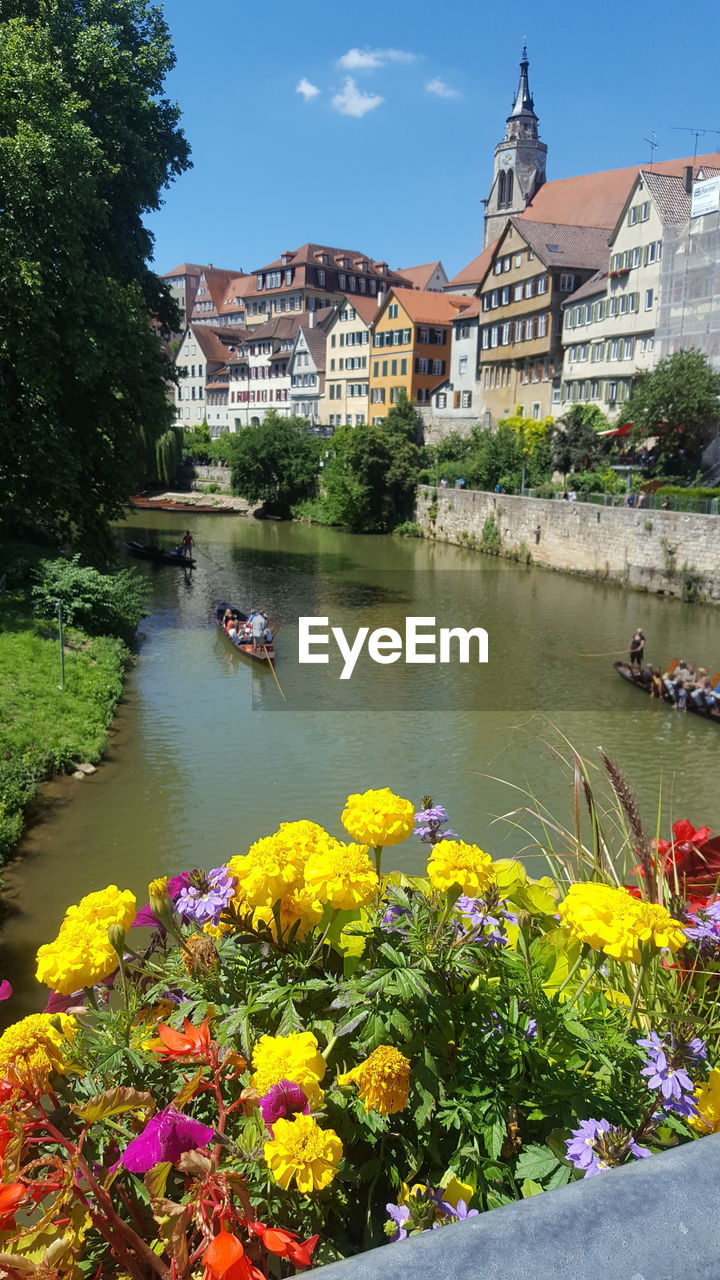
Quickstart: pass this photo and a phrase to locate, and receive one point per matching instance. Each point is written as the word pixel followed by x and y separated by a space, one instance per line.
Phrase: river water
pixel 205 756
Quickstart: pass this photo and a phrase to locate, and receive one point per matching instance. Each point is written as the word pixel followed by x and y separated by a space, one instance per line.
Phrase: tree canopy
pixel 87 144
pixel 369 483
pixel 679 403
pixel 275 463
pixel 576 442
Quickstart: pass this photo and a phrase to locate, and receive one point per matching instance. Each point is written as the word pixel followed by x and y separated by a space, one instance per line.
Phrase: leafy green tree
pixel 679 404
pixel 88 141
pixel 275 463
pixel 369 483
pixel 101 604
pixel 576 444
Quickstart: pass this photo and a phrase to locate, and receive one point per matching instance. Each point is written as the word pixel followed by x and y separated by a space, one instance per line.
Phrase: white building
pixel 307 373
pixel 202 354
pixel 455 403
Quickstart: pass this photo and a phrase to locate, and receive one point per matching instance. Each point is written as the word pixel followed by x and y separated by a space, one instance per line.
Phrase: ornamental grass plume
pixel 454 864
pixel 295 1058
pixel 34 1048
pixel 383 1080
pixel 300 1150
pixel 379 818
pixel 613 921
pixel 342 876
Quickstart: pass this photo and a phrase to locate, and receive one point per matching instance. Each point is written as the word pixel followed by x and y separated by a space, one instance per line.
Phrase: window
pixel 494 335
pixel 634 302
pixel 320 277
pixel 567 283
pixel 598 350
pixel 629 350
pixel 403 366
pixel 422 365
pixel 652 252
pixel 273 280
pixel 423 395
pixel 633 216
pixel 644 211
pixel 424 336
pixel 485 339
pixel 517 293
pixel 497 266
pixel 462 364
pixel 518 259
pixel 466 399
pixel 542 326
pixel 438 368
pixel 463 331
pixel 614 348
pixel 622 304
pixel 505 295
pixel 542 284
pixel 583 352
pixel 441 400
pixel 342 281
pixel 505 334
pixel 507 260
pixel 588 313
pixel 360 417
pixel 649 299
pixel 636 256
pixel 377 395
pixel 612 391
pixel 612 306
pixel 486 302
pixel 393 368
pixel 384 368
pixel 393 311
pixel 530 329
pixel 536 410
pixel 529 288
pixel 259 284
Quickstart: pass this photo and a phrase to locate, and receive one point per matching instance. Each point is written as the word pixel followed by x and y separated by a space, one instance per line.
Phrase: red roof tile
pixel 421 276
pixel 429 308
pixel 474 273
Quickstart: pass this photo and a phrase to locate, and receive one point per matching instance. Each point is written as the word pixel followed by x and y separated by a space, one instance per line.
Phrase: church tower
pixel 519 160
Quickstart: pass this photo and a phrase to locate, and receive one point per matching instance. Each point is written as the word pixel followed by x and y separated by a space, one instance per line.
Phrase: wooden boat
pixel 159 555
pixel 635 678
pixel 262 654
pixel 139 503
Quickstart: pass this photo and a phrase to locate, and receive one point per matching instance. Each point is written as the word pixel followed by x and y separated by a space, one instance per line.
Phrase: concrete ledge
pixel 652 1220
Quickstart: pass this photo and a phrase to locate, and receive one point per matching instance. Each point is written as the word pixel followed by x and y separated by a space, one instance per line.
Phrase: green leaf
pixel 530 1188
pixel 156 1179
pixel 113 1102
pixel 535 1161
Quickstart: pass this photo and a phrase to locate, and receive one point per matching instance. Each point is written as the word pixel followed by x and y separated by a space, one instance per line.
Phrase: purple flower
pixel 5 990
pixel 429 824
pixel 393 914
pixel 597 1146
pixel 399 1214
pixel 705 924
pixel 664 1069
pixel 283 1101
pixel 165 1137
pixel 206 895
pixel 146 918
pixel 531 1030
pixel 481 920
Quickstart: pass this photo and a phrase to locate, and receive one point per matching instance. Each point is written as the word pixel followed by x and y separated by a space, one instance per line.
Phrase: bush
pixel 601 480
pixel 491 538
pixel 408 529
pixel 99 603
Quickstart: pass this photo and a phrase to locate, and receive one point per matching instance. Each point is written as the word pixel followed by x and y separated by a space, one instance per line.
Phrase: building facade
pixel 519 168
pixel 348 354
pixel 410 348
pixel 182 282
pixel 454 404
pixel 534 268
pixel 307 373
pixel 313 278
pixel 200 359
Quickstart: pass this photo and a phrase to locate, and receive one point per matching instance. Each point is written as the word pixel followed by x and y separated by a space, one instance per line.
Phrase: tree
pixel 369 483
pixel 275 463
pixel 87 144
pixel 678 403
pixel 576 444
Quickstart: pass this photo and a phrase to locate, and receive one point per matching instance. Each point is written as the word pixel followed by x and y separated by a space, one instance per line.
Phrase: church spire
pixel 523 103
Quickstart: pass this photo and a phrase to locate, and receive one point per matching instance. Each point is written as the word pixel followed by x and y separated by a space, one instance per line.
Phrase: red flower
pixel 11 1196
pixel 225 1259
pixel 285 1243
pixel 174 1045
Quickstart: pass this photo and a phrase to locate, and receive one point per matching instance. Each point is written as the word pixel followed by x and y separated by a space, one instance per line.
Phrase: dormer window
pixel 286 257
pixel 382 268
pixel 259 282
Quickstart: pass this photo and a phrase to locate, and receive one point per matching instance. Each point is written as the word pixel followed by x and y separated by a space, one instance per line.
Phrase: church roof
pixel 597 199
pixel 523 104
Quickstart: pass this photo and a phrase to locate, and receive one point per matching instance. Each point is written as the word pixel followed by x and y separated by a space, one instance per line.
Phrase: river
pixel 205 756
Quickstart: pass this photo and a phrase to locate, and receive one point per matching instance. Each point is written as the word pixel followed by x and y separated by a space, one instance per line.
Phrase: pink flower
pixel 5 990
pixel 283 1101
pixel 165 1137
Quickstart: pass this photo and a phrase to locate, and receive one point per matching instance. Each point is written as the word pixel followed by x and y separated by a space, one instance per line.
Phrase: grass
pixel 44 730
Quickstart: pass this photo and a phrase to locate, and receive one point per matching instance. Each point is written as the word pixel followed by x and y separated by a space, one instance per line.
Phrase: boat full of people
pixel 250 633
pixel 686 687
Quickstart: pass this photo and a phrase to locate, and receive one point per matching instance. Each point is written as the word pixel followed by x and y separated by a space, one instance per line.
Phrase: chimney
pixel 688 173
pixel 311 319
pixel 380 298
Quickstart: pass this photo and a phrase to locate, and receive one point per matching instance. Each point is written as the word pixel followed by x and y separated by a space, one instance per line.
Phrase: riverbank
pixel 668 553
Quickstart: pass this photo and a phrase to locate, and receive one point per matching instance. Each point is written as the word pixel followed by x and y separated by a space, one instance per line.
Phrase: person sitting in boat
pixel 656 683
pixel 673 679
pixel 685 686
pixel 637 649
pixel 704 696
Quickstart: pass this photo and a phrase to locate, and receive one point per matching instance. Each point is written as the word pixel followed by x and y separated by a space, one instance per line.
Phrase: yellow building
pixel 347 361
pixel 410 347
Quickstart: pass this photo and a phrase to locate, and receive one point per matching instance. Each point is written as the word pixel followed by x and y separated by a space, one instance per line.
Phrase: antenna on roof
pixel 696 133
pixel 653 144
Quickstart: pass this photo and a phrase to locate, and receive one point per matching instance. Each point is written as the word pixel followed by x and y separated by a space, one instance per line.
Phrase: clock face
pixel 505 160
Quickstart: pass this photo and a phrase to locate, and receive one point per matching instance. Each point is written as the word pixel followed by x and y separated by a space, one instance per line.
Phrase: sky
pixel 372 126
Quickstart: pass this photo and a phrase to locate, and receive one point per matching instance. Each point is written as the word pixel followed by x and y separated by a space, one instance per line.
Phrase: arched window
pixel 509 187
pixel 501 188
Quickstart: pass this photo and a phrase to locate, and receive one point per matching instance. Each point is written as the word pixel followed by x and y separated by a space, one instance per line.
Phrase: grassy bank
pixel 44 730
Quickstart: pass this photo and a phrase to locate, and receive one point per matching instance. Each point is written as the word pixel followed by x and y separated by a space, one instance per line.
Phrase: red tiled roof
pixel 366 307
pixel 474 273
pixel 185 269
pixel 557 244
pixel 421 276
pixel 597 199
pixel 308 253
pixel 429 308
pixel 591 287
pixel 214 342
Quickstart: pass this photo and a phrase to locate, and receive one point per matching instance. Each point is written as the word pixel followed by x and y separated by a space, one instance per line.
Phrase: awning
pixel 617 431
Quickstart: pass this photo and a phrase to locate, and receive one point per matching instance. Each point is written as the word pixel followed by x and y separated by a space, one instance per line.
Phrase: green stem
pixel 571 972
pixel 588 978
pixel 378 858
pixel 636 993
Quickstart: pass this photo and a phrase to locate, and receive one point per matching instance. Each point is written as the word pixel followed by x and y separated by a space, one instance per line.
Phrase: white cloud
pixel 369 59
pixel 307 89
pixel 351 101
pixel 441 89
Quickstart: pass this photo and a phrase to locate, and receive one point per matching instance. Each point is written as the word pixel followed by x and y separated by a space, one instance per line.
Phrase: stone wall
pixel 438 425
pixel 197 477
pixel 666 552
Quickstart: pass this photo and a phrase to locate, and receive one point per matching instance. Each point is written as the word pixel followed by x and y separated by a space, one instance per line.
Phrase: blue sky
pixel 387 148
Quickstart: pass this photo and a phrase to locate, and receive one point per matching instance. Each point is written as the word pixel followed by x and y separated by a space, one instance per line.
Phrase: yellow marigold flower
pixel 34 1047
pixel 300 1149
pixel 296 1057
pixel 613 921
pixel 707 1099
pixel 383 1080
pixel 342 875
pixel 106 907
pixel 302 838
pixel 270 869
pixel 379 817
pixel 300 908
pixel 80 956
pixel 465 866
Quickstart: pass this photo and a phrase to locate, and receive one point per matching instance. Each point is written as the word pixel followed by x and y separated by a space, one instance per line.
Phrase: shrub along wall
pixel 675 553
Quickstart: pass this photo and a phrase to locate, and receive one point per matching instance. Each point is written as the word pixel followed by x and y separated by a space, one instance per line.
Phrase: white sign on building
pixel 705 197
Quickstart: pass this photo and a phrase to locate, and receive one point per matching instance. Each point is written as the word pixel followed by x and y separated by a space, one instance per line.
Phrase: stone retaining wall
pixel 197 477
pixel 666 552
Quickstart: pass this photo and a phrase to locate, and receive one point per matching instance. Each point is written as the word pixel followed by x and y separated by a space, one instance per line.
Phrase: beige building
pixel 347 364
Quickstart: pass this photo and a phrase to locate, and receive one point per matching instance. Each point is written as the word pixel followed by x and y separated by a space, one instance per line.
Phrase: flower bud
pixel 160 901
pixel 116 936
